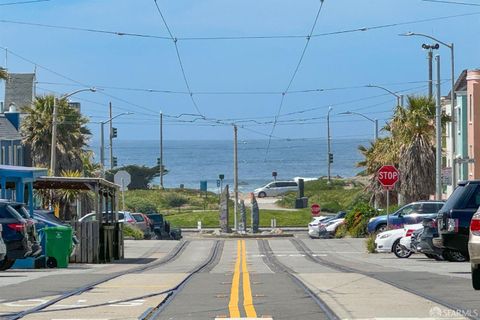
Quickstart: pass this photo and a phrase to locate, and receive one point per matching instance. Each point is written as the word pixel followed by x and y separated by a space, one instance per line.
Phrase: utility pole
pixel 53 154
pixel 102 148
pixel 376 129
pixel 438 124
pixel 430 73
pixel 111 137
pixel 161 150
pixel 329 154
pixel 235 175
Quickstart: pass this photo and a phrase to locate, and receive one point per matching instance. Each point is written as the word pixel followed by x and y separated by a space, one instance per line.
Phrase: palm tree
pixel 72 134
pixel 410 146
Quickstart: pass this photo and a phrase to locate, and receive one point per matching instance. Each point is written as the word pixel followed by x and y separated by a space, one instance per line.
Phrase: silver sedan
pixel 474 249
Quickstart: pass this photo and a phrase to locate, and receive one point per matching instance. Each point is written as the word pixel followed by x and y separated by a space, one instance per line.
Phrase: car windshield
pixel 138 217
pixel 155 217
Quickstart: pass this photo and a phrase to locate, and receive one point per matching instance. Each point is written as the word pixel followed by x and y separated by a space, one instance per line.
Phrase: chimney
pixel 13 116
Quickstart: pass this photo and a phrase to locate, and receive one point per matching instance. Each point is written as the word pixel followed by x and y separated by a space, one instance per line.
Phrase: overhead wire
pixel 75 81
pixel 179 58
pixel 292 78
pixel 454 2
pixel 252 37
pixel 22 2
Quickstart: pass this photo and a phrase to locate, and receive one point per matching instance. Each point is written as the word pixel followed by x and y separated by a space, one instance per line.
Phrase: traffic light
pixel 330 158
pixel 114 132
pixel 114 161
pixel 158 161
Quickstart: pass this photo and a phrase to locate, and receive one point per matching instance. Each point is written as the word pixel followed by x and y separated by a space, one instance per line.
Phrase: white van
pixel 276 188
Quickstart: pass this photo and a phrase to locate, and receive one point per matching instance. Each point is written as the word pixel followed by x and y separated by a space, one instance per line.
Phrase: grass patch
pixel 370 243
pixel 209 219
pixel 339 195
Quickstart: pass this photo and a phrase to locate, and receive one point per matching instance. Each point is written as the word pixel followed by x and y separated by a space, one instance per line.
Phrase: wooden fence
pixel 99 243
pixel 88 234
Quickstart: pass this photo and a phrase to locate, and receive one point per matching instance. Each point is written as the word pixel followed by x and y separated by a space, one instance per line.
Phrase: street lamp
pixel 53 151
pixel 102 142
pixel 375 121
pixel 330 154
pixel 398 96
pixel 452 96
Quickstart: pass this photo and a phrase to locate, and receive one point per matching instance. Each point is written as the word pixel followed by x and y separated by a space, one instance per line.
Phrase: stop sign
pixel 388 176
pixel 315 209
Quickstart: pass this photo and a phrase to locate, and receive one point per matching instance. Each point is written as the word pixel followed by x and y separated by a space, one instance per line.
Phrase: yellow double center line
pixel 247 291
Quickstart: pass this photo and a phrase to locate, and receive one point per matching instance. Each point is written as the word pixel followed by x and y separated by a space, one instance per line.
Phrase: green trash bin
pixel 58 246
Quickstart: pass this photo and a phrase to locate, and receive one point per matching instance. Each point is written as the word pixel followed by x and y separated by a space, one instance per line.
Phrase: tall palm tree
pixel 72 133
pixel 410 146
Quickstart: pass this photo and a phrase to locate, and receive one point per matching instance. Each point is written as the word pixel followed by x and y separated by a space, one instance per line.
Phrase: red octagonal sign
pixel 388 176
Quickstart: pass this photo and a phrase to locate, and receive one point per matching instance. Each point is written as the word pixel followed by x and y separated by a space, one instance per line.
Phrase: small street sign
pixel 315 209
pixel 388 176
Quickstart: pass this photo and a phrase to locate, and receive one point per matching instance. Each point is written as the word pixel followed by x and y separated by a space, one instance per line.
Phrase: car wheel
pixel 381 228
pixel 6 264
pixel 399 251
pixel 453 256
pixel 262 194
pixel 475 277
pixel 430 256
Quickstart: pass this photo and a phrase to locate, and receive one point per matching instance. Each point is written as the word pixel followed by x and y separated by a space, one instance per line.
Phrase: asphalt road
pixel 297 278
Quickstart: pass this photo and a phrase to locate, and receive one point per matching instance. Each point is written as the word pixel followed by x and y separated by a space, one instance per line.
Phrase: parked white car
pixel 314 225
pixel 3 248
pixel 408 230
pixel 328 230
pixel 276 188
pixel 389 241
pixel 125 217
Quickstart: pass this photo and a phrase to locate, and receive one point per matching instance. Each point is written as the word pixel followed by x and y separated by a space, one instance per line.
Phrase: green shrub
pixel 174 200
pixel 356 219
pixel 341 231
pixel 133 232
pixel 138 204
pixel 370 243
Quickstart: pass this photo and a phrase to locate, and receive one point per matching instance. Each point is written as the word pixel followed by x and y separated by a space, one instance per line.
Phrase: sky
pixel 260 69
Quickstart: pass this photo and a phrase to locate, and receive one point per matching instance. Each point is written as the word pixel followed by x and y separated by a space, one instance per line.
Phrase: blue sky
pixel 343 60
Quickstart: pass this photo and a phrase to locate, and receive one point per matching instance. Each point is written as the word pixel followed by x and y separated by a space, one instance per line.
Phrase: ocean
pixel 190 162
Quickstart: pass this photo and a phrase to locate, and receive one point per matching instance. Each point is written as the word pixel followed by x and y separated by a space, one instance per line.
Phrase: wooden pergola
pixel 105 192
pixel 100 240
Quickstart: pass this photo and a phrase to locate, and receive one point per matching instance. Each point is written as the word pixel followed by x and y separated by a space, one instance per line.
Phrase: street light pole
pixel 235 175
pixel 374 121
pixel 53 150
pixel 453 131
pixel 438 132
pixel 329 145
pixel 398 96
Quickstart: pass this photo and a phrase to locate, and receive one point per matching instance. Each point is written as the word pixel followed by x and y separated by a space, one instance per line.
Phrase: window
pixel 474 201
pixel 14 155
pixel 3 155
pixel 470 108
pixel 10 155
pixel 431 207
pixel 138 217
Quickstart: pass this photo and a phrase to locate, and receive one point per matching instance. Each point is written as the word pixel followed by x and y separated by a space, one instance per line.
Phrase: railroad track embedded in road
pixel 171 256
pixel 273 263
pixel 211 261
pixel 305 250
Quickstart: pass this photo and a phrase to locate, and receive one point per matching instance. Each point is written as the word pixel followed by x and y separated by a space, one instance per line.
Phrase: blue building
pixel 11 149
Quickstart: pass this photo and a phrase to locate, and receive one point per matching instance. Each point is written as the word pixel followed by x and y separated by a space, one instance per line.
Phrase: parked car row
pixel 325 226
pixel 152 225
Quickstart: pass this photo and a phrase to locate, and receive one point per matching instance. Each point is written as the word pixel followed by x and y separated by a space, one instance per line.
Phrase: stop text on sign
pixel 388 176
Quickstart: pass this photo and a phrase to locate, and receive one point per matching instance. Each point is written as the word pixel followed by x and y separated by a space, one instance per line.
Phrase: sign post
pixel 388 177
pixel 122 178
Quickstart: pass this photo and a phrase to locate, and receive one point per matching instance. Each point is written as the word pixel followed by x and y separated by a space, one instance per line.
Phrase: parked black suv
pixel 454 218
pixel 15 235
